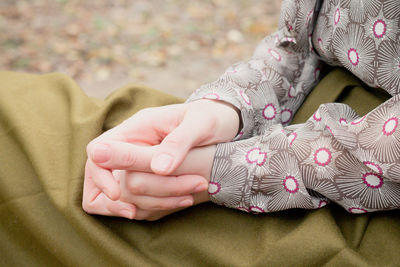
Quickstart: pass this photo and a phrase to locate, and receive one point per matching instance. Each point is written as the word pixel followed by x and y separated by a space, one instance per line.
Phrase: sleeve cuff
pixel 259 175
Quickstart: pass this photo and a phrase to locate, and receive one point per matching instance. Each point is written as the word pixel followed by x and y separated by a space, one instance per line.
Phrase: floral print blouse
pixel 336 155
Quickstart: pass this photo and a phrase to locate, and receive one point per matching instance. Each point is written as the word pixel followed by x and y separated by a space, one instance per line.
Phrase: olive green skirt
pixel 46 122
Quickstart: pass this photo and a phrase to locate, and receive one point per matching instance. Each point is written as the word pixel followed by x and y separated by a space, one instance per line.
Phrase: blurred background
pixel 171 45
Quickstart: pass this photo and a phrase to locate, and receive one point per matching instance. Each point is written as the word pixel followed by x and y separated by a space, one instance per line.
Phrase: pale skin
pixel 152 201
pixel 158 161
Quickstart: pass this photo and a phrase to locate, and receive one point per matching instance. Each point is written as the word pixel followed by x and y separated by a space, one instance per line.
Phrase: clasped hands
pixel 158 161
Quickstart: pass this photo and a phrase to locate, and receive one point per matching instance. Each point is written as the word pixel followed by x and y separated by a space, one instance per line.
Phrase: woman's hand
pixel 174 128
pixel 148 196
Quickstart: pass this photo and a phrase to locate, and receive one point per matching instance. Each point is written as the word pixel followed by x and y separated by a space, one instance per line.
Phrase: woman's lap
pixel 46 122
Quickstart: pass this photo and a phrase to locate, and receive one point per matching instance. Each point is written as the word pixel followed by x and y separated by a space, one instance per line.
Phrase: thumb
pixel 175 146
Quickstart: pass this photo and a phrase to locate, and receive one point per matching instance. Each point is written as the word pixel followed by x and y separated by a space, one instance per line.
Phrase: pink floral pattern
pixel 336 155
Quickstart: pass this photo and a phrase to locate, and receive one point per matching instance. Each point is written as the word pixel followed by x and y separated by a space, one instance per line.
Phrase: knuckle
pixel 128 159
pixel 177 189
pixel 175 140
pixel 136 185
pixel 124 197
pixel 162 205
pixel 150 206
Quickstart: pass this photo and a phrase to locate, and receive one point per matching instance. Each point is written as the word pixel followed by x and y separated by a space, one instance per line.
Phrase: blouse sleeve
pixel 268 88
pixel 335 156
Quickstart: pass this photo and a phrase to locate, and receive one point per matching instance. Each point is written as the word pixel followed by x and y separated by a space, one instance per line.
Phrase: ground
pixel 171 45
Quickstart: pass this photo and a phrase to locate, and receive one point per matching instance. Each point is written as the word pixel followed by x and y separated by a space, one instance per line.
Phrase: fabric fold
pixel 42 222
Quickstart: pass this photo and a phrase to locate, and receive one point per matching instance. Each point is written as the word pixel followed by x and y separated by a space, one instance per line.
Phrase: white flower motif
pixel 269 77
pixel 354 206
pixel 338 17
pixel 256 156
pixel 360 8
pixel 325 187
pixel 323 157
pixel 318 200
pixel 340 114
pixel 384 137
pixel 262 122
pixel 274 138
pixel 245 97
pixel 322 39
pixel 227 183
pixel 289 107
pixel 394 173
pixel 242 75
pixel 259 203
pixel 300 139
pixel 249 153
pixel 380 28
pixel 216 90
pixel 358 124
pixel 304 16
pixel 286 115
pixel 388 72
pixel 316 121
pixel 359 182
pixel 288 15
pixel 279 59
pixel 320 203
pixel 269 111
pixel 355 52
pixel 284 184
pixel 273 80
pixel 212 96
pixel 263 94
pixel 367 158
pixel 338 118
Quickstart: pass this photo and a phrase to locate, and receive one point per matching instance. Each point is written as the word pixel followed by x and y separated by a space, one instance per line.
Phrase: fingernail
pixel 161 162
pixel 101 153
pixel 200 188
pixel 127 213
pixel 185 203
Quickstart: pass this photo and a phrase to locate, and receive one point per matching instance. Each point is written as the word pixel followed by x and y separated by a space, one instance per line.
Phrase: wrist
pixel 206 155
pixel 227 118
pixel 201 197
pixel 199 161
